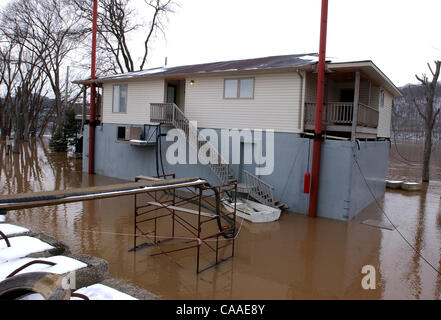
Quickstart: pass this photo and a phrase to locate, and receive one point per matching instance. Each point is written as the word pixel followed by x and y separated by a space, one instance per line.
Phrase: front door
pixel 171 94
pixel 347 95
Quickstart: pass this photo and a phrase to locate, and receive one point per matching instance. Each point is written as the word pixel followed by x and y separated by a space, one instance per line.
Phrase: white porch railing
pixel 341 113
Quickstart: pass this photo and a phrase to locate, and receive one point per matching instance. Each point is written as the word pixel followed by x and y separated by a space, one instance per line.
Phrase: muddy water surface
pixel 294 258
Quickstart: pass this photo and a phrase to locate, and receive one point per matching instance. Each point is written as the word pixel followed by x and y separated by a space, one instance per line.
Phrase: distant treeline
pixel 406 122
pixel 46 43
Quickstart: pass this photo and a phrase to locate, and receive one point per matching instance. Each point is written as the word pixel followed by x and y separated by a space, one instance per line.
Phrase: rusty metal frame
pixel 151 213
pixel 16 271
pixel 5 237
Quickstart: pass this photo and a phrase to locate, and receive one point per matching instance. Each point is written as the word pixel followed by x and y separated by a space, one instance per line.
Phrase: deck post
pixel 356 102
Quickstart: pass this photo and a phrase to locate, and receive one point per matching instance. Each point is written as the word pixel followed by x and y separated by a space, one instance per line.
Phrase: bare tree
pixel 23 82
pixel 429 112
pixel 51 30
pixel 9 73
pixel 117 22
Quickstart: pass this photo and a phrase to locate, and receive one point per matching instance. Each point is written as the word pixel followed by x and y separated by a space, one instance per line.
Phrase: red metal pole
pixel 315 174
pixel 92 124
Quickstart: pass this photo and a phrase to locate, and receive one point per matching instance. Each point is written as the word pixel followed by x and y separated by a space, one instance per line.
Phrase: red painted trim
pixel 315 174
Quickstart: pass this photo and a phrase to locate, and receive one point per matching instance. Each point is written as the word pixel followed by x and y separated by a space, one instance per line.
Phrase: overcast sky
pixel 400 36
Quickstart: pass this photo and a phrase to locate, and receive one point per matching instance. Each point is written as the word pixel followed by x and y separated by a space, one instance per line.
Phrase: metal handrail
pixel 259 189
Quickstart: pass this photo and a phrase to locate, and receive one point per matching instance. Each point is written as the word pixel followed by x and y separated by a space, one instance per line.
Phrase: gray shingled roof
pixel 286 61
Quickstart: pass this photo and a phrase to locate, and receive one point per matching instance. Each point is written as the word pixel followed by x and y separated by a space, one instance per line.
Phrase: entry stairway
pixel 171 114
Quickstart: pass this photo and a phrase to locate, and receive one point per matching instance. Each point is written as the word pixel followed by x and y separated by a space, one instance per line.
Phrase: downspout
pixel 92 123
pixel 315 174
pixel 301 100
pixel 83 109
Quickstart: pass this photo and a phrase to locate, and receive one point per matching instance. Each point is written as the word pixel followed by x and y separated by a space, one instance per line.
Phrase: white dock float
pixel 393 184
pixel 411 186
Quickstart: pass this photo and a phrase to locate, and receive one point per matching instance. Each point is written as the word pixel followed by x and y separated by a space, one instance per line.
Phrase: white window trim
pixel 238 88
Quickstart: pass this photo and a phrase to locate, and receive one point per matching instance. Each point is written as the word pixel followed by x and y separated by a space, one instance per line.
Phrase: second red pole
pixel 315 174
pixel 92 123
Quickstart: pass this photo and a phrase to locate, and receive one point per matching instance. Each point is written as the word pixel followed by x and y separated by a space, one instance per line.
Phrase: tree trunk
pixel 46 122
pixel 59 110
pixel 26 124
pixel 18 127
pixel 427 155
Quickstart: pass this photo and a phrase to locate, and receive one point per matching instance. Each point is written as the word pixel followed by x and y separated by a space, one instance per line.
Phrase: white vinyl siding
pixel 139 96
pixel 384 124
pixel 276 103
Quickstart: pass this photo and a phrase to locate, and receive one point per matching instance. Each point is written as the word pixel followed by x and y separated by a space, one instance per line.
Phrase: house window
pixel 239 88
pixel 120 98
pixel 121 133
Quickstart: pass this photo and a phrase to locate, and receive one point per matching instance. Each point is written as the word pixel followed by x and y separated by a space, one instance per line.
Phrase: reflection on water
pixel 294 258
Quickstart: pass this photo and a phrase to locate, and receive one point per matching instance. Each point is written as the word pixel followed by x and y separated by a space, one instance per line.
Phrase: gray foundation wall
pixel 343 193
pixel 369 175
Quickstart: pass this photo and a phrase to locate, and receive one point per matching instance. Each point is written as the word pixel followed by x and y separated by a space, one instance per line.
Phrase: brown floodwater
pixel 293 258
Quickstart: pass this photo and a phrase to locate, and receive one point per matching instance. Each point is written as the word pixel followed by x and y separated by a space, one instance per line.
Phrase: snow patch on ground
pixel 63 265
pixel 2 218
pixel 21 247
pixel 9 229
pixel 102 292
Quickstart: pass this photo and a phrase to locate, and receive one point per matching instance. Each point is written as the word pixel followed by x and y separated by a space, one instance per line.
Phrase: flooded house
pixel 255 118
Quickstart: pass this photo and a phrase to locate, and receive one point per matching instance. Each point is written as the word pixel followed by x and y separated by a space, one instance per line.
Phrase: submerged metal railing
pixel 259 189
pixel 341 113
